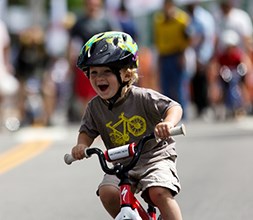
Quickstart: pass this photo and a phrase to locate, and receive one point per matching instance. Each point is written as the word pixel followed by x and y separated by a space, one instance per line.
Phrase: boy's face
pixel 104 81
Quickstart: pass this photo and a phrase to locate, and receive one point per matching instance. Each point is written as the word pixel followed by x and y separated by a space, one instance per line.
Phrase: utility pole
pixel 3 8
pixel 38 11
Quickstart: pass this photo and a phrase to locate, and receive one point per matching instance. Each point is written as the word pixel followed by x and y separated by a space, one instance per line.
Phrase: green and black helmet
pixel 113 49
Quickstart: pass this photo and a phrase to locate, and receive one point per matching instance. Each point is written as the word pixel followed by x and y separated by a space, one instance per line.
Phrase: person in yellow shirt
pixel 171 38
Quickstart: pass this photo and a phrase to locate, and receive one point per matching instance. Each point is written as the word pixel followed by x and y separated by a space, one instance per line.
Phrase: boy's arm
pixel 172 117
pixel 83 138
pixel 83 141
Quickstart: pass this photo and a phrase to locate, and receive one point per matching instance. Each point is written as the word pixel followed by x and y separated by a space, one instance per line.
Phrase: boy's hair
pixel 134 75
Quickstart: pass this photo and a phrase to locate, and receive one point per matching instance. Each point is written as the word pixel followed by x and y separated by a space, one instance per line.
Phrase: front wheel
pixel 127 213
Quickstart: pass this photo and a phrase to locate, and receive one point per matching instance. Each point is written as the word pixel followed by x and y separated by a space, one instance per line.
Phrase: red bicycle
pixel 131 208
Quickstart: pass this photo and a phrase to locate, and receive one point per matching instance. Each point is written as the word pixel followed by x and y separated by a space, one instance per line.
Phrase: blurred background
pixel 41 86
pixel 198 52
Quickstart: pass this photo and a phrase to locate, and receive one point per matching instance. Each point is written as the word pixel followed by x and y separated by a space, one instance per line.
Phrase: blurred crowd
pixel 199 58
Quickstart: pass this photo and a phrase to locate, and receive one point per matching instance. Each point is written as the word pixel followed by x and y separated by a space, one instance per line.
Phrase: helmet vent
pixel 115 41
pixel 103 49
pixel 124 37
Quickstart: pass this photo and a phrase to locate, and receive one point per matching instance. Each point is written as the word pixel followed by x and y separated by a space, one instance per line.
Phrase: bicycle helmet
pixel 113 49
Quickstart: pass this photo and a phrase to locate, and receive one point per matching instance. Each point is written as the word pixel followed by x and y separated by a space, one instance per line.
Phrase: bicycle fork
pixel 131 208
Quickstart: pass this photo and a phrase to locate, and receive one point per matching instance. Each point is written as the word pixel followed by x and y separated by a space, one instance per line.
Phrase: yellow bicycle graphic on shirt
pixel 136 125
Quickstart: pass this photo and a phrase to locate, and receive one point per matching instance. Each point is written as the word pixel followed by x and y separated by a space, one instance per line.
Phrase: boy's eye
pixel 93 74
pixel 108 71
pixel 104 73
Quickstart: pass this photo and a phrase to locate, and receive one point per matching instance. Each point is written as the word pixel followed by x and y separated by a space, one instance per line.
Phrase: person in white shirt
pixel 8 83
pixel 238 20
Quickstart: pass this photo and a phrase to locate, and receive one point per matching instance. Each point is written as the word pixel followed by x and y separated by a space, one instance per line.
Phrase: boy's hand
pixel 162 130
pixel 78 151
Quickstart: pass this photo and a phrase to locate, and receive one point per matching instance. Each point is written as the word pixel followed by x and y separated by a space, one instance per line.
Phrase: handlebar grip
pixel 178 130
pixel 68 158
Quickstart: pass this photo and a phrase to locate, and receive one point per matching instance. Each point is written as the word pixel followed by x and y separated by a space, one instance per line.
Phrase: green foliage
pixel 75 5
pixel 17 2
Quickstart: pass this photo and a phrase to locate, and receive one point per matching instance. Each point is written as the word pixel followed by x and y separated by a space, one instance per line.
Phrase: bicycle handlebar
pixel 122 152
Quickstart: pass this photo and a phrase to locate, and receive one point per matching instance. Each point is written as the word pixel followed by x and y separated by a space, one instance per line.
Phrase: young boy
pixel 110 61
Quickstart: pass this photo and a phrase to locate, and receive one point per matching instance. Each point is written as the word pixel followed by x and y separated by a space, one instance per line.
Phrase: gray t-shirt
pixel 129 120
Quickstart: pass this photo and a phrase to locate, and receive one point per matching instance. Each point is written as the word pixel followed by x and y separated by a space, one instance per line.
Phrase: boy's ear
pixel 126 75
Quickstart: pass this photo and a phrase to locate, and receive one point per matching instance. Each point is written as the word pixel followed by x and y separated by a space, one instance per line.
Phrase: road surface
pixel 214 164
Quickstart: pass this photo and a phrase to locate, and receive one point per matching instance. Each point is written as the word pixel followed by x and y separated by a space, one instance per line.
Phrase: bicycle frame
pixel 131 208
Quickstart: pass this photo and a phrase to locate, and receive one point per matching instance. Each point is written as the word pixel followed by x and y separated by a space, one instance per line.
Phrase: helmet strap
pixel 114 99
pixel 118 94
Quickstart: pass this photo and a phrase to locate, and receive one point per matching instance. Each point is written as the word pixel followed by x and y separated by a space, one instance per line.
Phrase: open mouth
pixel 103 87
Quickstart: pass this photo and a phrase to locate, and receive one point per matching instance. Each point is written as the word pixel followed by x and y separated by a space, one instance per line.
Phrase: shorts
pixel 162 174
